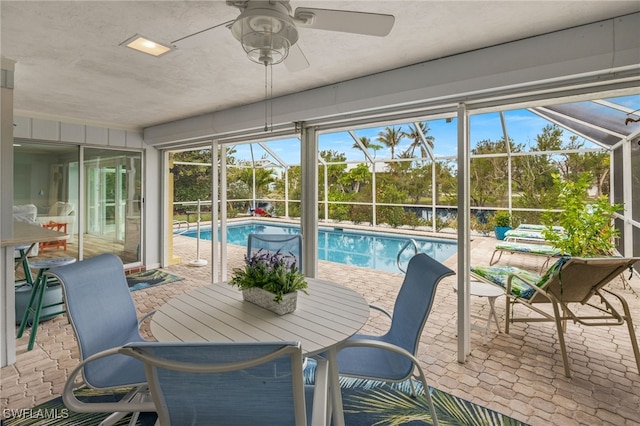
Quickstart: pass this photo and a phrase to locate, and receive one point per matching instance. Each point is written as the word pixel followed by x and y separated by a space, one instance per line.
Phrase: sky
pixel 522 126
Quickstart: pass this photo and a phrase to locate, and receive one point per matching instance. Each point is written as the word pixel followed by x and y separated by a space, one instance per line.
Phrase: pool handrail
pixel 412 242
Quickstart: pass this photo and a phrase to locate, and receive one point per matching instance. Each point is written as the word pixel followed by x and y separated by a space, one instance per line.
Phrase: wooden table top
pixel 27 233
pixel 328 315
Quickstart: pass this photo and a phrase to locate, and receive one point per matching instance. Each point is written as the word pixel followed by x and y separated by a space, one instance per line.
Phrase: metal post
pixel 464 242
pixel 198 261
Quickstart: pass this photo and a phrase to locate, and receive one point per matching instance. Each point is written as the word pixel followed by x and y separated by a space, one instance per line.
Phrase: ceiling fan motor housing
pixel 266 31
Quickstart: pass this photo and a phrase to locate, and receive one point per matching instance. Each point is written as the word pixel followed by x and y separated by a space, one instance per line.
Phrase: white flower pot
pixel 264 299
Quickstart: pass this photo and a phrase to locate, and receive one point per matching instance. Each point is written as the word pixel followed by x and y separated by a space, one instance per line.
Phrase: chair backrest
pixel 286 244
pixel 100 309
pixel 224 383
pixel 25 213
pixel 61 208
pixel 414 301
pixel 577 279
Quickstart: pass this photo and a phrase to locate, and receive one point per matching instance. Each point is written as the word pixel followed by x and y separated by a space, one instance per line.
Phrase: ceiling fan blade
pixel 202 38
pixel 296 61
pixel 347 21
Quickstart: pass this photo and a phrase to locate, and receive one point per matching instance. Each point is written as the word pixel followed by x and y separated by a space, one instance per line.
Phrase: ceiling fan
pixel 268 30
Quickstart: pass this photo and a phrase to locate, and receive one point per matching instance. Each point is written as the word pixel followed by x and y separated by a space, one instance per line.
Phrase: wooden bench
pixel 56 226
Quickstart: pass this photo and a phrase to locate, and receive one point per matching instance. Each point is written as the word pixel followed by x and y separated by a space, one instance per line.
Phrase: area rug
pixel 366 403
pixel 153 277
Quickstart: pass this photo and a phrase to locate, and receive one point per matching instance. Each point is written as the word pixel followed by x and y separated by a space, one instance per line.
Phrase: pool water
pixel 373 250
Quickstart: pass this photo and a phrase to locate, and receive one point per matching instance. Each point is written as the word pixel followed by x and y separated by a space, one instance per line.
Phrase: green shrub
pixel 391 215
pixel 502 218
pixel 361 214
pixel 588 223
pixel 413 220
pixel 477 225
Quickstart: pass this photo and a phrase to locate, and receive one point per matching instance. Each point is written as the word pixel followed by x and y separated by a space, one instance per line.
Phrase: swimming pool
pixel 373 250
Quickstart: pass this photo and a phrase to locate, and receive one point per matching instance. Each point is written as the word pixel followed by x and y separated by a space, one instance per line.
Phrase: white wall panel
pixel 97 135
pixel 22 127
pixel 72 132
pixel 117 138
pixel 626 36
pixel 134 140
pixel 45 129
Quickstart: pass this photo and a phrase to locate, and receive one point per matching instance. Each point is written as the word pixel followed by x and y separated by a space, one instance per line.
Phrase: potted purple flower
pixel 270 280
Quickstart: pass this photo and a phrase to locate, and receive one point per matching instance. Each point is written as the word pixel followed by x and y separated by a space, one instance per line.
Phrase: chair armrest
pixel 74 404
pixel 377 344
pixel 321 393
pixel 389 347
pixel 380 309
pixel 417 371
pixel 144 318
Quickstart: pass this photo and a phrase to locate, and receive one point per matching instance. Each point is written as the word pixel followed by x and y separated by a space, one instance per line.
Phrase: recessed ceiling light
pixel 145 45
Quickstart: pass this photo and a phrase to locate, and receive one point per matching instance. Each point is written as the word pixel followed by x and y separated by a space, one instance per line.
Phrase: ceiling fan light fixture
pixel 266 34
pixel 270 50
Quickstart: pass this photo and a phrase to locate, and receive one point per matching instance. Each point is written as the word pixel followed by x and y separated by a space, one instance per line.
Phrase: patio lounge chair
pixel 103 316
pixel 524 248
pixel 392 356
pixel 239 384
pixel 538 227
pixel 568 281
pixel 529 233
pixel 286 244
pixel 524 235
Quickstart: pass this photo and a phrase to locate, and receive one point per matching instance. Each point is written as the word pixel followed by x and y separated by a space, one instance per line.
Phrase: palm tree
pixel 416 137
pixel 391 138
pixel 367 144
pixel 263 179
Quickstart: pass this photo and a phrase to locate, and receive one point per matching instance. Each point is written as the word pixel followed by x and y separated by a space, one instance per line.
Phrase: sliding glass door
pixel 113 203
pixel 45 189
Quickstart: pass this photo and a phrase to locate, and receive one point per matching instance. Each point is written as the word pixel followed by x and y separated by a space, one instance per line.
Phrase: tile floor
pixel 519 374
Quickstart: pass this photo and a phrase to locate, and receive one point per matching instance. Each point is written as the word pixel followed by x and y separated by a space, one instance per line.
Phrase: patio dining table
pixel 325 317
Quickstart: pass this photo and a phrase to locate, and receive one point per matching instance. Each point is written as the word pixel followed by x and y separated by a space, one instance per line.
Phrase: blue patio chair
pixel 392 357
pixel 286 244
pixel 103 316
pixel 247 383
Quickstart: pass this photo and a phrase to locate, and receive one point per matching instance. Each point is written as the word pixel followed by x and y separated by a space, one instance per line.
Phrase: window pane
pixel 45 189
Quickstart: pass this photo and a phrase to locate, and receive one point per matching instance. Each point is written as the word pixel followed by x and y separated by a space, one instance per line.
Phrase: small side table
pixel 37 299
pixel 491 292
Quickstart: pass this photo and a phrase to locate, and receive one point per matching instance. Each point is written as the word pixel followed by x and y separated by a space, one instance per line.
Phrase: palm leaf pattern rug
pixel 373 403
pixel 152 277
pixel 366 403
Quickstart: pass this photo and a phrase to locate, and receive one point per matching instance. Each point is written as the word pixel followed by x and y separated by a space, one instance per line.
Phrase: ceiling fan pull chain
pixel 271 98
pixel 266 98
pixel 268 93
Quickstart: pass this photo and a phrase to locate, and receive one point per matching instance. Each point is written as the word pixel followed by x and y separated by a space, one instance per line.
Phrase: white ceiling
pixel 69 65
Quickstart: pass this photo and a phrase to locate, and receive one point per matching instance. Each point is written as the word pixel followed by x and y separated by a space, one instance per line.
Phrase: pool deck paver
pixel 518 374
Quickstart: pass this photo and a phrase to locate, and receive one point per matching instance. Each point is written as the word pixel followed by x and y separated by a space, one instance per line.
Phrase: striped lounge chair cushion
pixel 500 274
pixel 541 249
pixel 536 227
pixel 524 234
